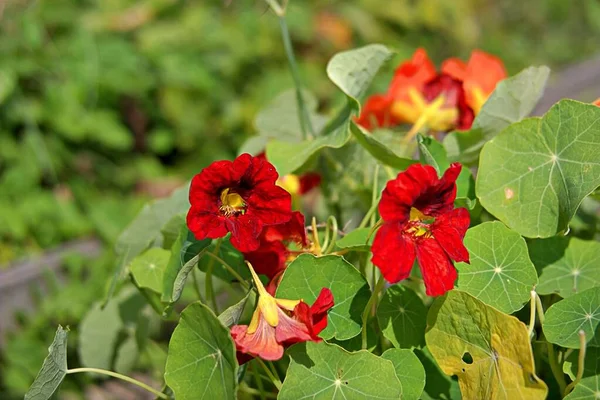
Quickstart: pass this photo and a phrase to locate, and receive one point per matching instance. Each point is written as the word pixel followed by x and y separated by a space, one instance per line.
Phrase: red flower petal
pixel 205 224
pixel 376 113
pixel 413 73
pixel 393 252
pixel 292 231
pixel 439 197
pixel 290 330
pixel 449 230
pixel 454 67
pixel 245 231
pixel 261 343
pixel 319 310
pixel 485 71
pixel 438 272
pixel 309 181
pixel 269 259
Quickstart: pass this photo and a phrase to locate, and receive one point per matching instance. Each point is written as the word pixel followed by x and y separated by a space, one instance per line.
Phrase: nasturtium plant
pixel 414 243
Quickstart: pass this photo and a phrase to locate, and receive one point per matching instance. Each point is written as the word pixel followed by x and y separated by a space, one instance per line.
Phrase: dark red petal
pixel 245 231
pixel 449 230
pixel 269 259
pixel 393 252
pixel 206 185
pixel 309 181
pixel 376 113
pixel 270 204
pixel 205 224
pixel 400 194
pixel 438 272
pixel 274 283
pixel 261 343
pixel 319 310
pixel 256 170
pixel 439 197
pixel 291 231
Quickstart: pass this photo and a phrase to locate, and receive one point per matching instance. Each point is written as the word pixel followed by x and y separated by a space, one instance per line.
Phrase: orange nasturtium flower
pixel 438 100
pixel 597 102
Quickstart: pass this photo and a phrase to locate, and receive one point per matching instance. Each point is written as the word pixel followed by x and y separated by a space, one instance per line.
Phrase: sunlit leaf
pixel 487 350
pixel 534 175
pixel 565 319
pixel 320 370
pixel 568 265
pixel 409 370
pixel 148 268
pixel 514 99
pixel 201 362
pixel 53 370
pixel 402 317
pixel 500 273
pixel 307 275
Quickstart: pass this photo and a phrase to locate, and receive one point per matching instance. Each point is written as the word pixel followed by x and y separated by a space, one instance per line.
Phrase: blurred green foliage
pixel 99 99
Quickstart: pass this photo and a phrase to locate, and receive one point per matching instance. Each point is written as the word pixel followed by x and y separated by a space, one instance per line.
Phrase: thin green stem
pixel 196 285
pixel 119 376
pixel 315 234
pixel 532 314
pixel 556 368
pixel 580 363
pixel 374 194
pixel 273 378
pixel 247 389
pixel 367 218
pixel 273 369
pixel 230 269
pixel 305 122
pixel 257 379
pixel 334 233
pixel 539 308
pixel 372 303
pixel 208 283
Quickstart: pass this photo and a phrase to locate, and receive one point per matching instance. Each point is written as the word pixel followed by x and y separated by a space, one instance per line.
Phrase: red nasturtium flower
pixel 441 101
pixel 420 221
pixel 278 323
pixel 240 197
pixel 271 256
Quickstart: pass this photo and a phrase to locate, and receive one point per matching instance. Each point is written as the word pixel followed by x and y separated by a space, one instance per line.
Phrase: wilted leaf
pixel 565 319
pixel 307 275
pixel 500 274
pixel 489 351
pixel 320 370
pixel 201 362
pixel 534 175
pixel 402 317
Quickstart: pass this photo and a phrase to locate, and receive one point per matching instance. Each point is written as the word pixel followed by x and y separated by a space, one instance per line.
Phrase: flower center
pixel 419 224
pixel 231 203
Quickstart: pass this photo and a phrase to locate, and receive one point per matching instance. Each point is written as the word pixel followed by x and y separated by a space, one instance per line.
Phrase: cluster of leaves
pixel 97 99
pixel 530 243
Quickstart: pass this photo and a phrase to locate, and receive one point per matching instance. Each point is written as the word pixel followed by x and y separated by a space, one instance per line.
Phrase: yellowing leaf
pixel 487 350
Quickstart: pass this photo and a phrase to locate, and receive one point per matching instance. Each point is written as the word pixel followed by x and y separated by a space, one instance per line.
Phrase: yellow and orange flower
pixel 440 101
pixel 278 323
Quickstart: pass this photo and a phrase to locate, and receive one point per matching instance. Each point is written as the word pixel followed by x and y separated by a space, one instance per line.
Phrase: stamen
pixel 231 203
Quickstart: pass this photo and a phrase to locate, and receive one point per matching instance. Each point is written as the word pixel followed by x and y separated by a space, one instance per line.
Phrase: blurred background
pixel 107 104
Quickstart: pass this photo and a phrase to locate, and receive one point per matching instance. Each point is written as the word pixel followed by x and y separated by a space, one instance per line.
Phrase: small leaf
pixel 53 370
pixel 568 265
pixel 402 317
pixel 586 389
pixel 320 370
pixel 591 365
pixel 307 275
pixel 514 99
pixel 148 268
pixel 534 175
pixel 359 239
pixel 409 370
pixel 353 70
pixel 433 153
pixel 565 319
pixel 231 316
pixel 98 335
pixel 487 350
pixel 201 362
pixel 500 274
pixel 378 149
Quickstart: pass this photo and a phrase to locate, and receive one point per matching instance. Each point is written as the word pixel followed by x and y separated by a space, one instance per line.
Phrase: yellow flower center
pixel 231 203
pixel 419 112
pixel 419 223
pixel 479 98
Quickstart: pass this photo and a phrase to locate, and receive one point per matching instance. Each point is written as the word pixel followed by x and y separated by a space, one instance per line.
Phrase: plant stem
pixel 580 363
pixel 366 219
pixel 208 283
pixel 556 368
pixel 247 389
pixel 532 314
pixel 334 233
pixel 315 234
pixel 372 302
pixel 230 269
pixel 196 285
pixel 274 379
pixel 305 122
pixel 258 380
pixel 122 377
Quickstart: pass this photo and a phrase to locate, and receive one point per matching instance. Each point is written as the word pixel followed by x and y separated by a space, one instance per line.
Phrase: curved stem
pixel 122 377
pixel 230 269
pixel 208 283
pixel 315 234
pixel 372 302
pixel 274 379
pixel 580 363
pixel 334 233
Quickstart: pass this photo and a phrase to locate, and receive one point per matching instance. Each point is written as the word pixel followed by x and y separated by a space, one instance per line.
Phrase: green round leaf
pixel 53 370
pixel 487 350
pixel 323 371
pixel 535 173
pixel 98 335
pixel 568 265
pixel 358 240
pixel 307 275
pixel 565 319
pixel 201 362
pixel 500 274
pixel 402 317
pixel 409 370
pixel 586 389
pixel 147 268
